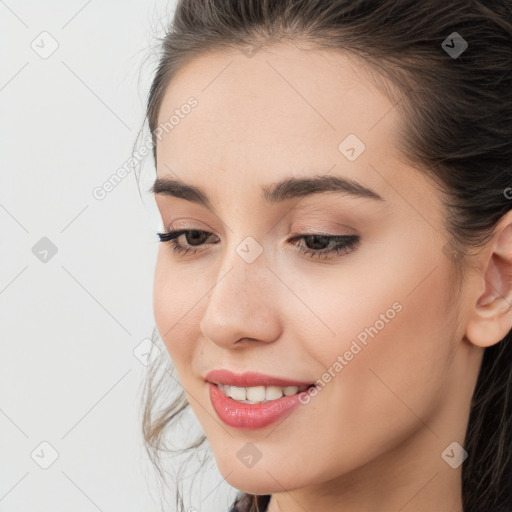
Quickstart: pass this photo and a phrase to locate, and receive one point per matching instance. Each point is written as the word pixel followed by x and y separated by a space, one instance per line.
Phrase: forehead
pixel 281 112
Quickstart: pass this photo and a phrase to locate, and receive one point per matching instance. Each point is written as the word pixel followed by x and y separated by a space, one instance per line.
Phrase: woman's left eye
pixel 336 244
pixel 320 246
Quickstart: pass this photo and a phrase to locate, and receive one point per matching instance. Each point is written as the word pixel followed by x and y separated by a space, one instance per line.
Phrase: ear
pixel 491 317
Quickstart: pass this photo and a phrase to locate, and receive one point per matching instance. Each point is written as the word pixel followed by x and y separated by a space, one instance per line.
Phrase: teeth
pixel 256 394
pixel 273 393
pixel 237 393
pixel 259 394
pixel 290 390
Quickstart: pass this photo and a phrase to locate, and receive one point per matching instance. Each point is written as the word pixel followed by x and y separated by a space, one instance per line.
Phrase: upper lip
pixel 250 379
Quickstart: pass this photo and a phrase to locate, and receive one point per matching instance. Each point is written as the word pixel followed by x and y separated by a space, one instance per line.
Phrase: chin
pixel 260 480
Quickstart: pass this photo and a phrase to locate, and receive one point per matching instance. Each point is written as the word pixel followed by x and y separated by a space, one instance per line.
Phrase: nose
pixel 242 305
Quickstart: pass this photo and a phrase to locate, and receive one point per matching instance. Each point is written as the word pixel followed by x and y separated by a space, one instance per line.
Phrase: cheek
pixel 176 307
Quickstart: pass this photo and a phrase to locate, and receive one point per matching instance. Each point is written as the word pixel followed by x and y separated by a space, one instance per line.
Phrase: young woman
pixel 335 284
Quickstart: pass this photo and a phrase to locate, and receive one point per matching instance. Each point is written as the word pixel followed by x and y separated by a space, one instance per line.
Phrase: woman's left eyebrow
pixel 288 188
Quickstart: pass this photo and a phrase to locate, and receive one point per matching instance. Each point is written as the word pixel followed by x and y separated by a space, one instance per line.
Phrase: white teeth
pixel 290 390
pixel 256 394
pixel 273 393
pixel 259 394
pixel 237 393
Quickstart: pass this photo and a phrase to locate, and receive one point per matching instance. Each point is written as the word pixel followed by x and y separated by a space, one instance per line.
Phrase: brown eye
pixel 195 237
pixel 316 242
pixel 317 246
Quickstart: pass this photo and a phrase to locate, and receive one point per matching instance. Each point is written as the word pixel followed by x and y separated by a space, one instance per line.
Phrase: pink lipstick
pixel 258 415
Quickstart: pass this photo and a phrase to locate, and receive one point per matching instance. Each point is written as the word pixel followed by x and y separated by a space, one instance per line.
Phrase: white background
pixel 69 325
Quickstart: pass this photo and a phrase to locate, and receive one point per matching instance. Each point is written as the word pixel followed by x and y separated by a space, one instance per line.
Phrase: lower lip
pixel 251 416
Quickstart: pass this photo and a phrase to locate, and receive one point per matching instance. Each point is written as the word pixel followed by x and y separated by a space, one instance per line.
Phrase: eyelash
pixel 346 243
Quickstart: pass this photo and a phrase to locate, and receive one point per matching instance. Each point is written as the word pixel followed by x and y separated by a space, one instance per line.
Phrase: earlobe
pixel 491 317
pixel 490 325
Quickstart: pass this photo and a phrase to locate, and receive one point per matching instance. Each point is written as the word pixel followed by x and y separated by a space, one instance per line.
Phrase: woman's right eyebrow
pixel 288 188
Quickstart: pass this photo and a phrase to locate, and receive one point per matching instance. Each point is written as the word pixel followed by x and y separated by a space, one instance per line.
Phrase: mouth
pixel 260 394
pixel 254 400
pixel 256 407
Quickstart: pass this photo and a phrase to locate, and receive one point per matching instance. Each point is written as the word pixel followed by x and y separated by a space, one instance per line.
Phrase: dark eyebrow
pixel 288 188
pixel 300 187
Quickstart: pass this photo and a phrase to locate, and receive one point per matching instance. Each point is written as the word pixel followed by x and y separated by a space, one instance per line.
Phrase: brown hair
pixel 457 112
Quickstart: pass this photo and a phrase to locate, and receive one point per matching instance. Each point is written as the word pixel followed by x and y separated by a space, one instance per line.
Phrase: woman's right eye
pixel 172 238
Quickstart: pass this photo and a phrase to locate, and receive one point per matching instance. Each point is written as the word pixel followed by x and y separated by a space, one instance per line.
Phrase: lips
pixel 251 379
pixel 253 416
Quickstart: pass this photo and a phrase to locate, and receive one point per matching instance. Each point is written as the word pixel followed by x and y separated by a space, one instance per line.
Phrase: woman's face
pixel 250 300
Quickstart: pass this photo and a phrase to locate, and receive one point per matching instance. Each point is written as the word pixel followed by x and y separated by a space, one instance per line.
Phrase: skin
pixel 373 437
